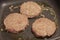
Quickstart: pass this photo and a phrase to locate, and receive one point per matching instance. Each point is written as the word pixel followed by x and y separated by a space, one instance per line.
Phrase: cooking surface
pixel 27 34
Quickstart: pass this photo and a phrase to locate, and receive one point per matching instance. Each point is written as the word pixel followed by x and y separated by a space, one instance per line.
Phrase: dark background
pixel 57 1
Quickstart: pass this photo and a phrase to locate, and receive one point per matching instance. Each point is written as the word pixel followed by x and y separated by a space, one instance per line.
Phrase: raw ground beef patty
pixel 15 22
pixel 30 9
pixel 43 27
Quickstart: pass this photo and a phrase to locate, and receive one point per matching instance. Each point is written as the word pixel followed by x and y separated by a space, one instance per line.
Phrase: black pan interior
pixel 27 34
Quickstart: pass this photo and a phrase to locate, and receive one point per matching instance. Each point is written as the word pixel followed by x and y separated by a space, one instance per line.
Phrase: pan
pixel 12 6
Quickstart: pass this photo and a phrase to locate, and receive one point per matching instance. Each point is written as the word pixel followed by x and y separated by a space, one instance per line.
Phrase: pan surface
pixel 28 34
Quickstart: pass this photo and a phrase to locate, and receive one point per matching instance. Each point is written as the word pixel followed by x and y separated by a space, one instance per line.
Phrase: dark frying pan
pixel 27 34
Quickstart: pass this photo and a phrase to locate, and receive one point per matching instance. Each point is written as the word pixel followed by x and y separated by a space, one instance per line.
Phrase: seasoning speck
pixel 15 7
pixel 19 39
pixel 42 15
pixel 1 29
pixel 11 8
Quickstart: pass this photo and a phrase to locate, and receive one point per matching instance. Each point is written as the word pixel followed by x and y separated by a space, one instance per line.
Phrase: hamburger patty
pixel 15 22
pixel 30 9
pixel 43 27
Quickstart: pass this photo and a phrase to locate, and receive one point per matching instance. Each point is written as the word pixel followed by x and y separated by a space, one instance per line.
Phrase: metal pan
pixel 27 34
